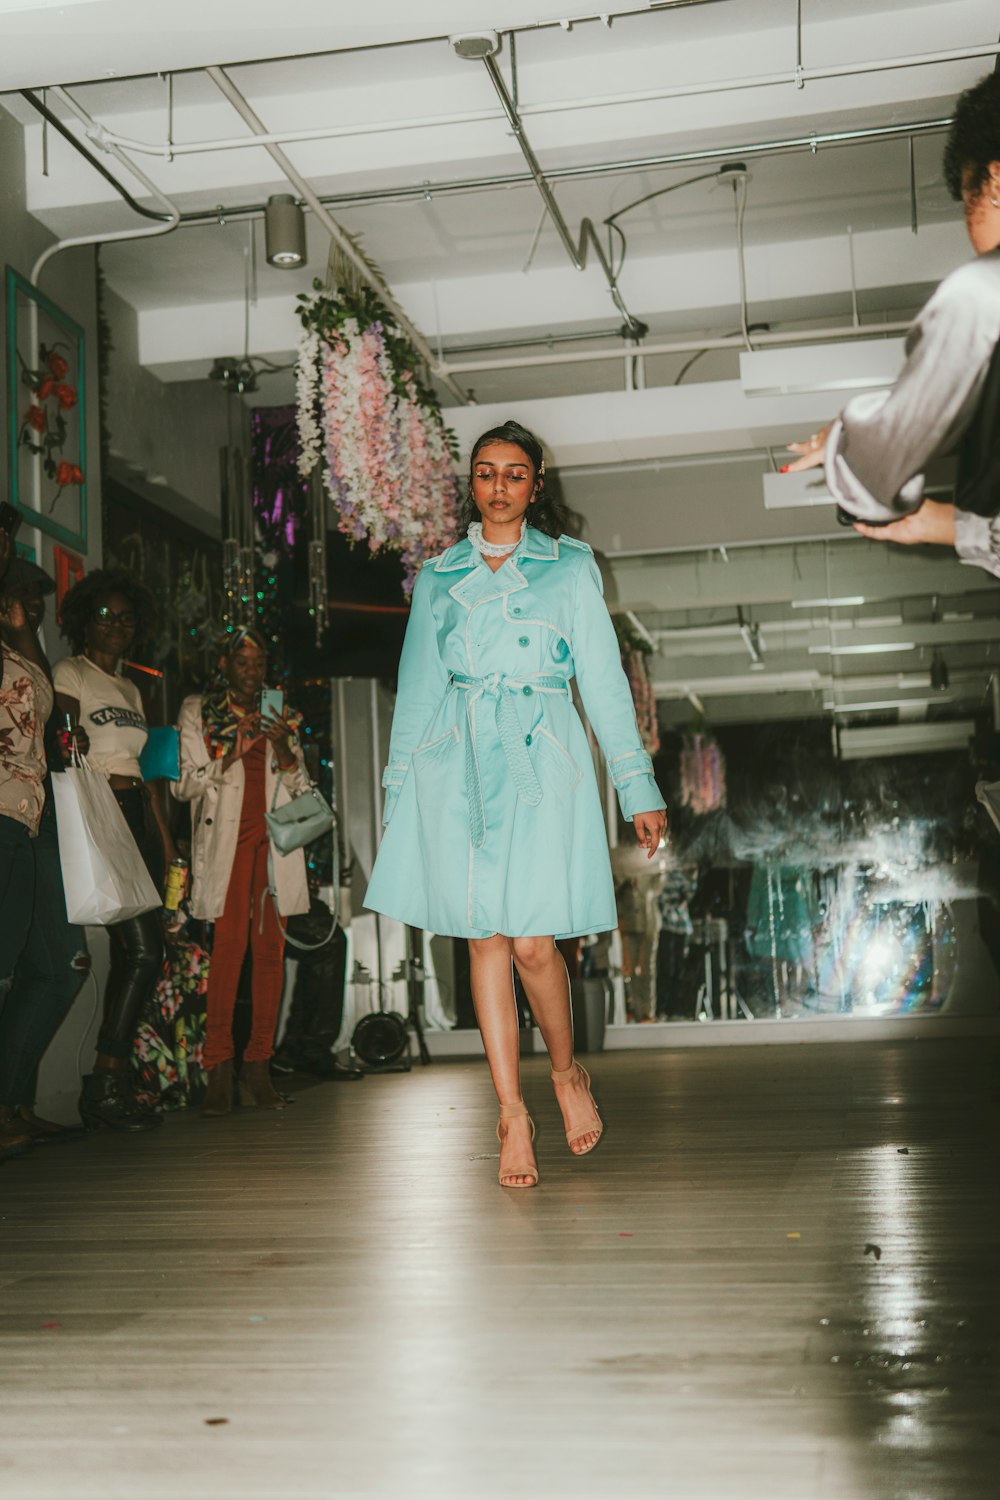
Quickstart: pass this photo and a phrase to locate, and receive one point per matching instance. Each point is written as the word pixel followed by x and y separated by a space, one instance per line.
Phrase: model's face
pixel 245 671
pixel 982 216
pixel 503 483
pixel 112 626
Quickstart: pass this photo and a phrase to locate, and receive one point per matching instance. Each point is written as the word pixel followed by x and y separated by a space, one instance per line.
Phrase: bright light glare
pixel 871 649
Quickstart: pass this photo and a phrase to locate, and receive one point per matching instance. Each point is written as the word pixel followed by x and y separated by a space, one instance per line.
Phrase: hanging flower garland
pixel 376 432
pixel 703 773
pixel 634 650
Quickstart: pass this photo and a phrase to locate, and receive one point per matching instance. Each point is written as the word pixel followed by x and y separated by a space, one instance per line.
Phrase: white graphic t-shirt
pixel 110 711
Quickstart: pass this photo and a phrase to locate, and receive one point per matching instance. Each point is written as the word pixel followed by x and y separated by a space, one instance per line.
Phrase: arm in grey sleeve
pixel 977 540
pixel 882 442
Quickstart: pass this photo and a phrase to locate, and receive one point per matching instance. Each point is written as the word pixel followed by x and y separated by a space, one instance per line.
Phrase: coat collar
pixel 479 584
pixel 536 545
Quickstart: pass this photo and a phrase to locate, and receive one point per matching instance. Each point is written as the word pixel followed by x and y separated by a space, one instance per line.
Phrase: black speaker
pixel 381 1040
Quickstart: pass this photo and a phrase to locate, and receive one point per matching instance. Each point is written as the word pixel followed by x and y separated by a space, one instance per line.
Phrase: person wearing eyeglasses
pixel 103 617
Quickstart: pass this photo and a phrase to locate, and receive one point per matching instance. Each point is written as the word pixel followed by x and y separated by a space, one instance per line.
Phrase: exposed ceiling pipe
pixel 171 217
pixel 787 76
pixel 98 166
pixel 416 190
pixel 342 240
pixel 685 346
pixel 632 328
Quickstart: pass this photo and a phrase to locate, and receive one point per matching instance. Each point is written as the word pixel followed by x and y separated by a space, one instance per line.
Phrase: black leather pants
pixel 136 945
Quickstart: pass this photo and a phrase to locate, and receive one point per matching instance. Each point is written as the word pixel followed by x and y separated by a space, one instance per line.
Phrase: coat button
pixel 522 640
pixel 526 691
pixel 516 610
pixel 208 822
pixel 527 739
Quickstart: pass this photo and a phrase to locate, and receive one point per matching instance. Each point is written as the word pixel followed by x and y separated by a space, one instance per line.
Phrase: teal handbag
pixel 306 817
pixel 160 757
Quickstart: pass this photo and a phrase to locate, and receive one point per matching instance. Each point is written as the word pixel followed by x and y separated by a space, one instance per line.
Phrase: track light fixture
pixel 284 233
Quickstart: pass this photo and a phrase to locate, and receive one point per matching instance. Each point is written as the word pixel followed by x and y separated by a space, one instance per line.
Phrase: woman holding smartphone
pixel 239 759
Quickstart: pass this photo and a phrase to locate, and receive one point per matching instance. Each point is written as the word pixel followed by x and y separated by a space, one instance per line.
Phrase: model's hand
pixel 933 522
pixel 649 830
pixel 280 732
pixel 812 451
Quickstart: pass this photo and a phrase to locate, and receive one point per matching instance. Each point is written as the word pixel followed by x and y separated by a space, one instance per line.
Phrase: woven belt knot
pixel 501 688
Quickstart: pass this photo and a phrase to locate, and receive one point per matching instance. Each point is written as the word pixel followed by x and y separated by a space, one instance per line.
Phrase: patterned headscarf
pixel 219 716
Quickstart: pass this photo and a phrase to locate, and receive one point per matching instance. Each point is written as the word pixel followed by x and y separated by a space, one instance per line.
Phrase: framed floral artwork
pixel 46 414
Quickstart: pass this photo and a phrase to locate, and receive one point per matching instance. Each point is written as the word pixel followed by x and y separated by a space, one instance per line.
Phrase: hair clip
pixel 541 469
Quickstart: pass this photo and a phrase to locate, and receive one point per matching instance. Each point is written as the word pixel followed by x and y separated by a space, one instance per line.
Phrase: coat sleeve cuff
pixel 974 541
pixel 632 775
pixel 392 780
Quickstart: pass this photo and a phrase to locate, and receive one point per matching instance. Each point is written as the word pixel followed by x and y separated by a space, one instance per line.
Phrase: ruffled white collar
pixel 492 549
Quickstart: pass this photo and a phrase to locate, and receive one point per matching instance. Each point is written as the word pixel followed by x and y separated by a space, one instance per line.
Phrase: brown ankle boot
pixel 218 1098
pixel 256 1089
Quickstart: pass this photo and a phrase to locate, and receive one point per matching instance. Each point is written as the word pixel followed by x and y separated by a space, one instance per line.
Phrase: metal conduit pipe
pixel 632 329
pixel 78 146
pixel 412 191
pixel 342 240
pixel 105 138
pixel 686 346
pixel 171 215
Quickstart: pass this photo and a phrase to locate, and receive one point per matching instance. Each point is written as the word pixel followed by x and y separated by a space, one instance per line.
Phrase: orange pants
pixel 250 919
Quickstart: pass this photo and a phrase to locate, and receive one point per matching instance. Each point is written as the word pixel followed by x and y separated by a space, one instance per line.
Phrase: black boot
pixel 107 1102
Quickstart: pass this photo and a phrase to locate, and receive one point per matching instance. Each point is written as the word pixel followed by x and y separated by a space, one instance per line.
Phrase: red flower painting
pixel 44 428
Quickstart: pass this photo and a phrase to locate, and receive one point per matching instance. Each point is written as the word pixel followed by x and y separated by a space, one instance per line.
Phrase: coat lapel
pixel 478 584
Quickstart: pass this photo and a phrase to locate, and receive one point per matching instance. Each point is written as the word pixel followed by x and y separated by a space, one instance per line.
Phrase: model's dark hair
pixel 974 137
pixel 84 598
pixel 546 514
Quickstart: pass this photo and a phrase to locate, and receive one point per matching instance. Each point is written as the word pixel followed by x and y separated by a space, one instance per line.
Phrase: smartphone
pixel 10 519
pixel 272 701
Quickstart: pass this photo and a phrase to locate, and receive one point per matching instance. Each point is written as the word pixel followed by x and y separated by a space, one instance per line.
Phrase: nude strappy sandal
pixel 585 1127
pixel 515 1112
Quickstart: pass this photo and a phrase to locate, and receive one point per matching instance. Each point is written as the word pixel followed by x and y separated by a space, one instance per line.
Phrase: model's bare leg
pixel 496 1012
pixel 546 984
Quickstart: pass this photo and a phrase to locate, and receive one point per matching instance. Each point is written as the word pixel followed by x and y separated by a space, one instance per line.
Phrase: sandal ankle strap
pixel 513 1111
pixel 564 1075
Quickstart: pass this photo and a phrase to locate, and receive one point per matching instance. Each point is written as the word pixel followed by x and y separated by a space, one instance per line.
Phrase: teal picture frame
pixel 47 430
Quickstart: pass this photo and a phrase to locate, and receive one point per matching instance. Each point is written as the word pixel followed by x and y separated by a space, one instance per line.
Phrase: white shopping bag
pixel 104 875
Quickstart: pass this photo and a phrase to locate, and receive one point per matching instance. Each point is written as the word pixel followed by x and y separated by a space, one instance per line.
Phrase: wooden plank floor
pixel 777 1278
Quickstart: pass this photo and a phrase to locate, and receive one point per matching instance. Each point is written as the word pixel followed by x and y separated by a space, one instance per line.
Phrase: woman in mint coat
pixel 494 825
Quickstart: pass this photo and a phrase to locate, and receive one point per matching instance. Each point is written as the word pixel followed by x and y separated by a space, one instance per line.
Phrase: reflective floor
pixel 775 1278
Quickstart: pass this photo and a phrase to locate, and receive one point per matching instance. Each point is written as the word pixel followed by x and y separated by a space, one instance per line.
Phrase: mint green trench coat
pixel 492 811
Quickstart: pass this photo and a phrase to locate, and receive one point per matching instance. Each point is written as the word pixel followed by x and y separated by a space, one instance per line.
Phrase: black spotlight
pixel 284 233
pixel 381 1041
pixel 939 673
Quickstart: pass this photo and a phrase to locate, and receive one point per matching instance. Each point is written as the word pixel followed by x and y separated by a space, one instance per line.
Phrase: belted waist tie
pixel 501 688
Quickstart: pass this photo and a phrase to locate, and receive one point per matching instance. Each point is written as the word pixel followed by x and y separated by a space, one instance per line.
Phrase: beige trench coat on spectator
pixel 215 821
